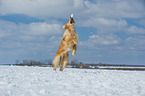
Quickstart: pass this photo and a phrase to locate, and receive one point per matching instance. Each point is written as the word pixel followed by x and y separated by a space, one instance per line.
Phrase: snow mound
pixel 38 81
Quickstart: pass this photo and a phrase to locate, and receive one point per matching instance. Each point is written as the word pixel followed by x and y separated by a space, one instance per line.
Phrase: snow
pixel 72 15
pixel 43 81
pixel 124 67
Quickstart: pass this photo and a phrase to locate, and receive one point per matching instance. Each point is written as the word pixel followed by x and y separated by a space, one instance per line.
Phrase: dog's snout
pixel 72 21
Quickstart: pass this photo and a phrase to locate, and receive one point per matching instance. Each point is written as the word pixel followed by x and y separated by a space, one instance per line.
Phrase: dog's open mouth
pixel 72 20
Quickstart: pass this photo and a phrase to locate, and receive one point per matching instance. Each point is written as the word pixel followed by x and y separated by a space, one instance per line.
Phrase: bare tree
pixel 50 62
pixel 17 61
pixel 81 63
pixel 74 62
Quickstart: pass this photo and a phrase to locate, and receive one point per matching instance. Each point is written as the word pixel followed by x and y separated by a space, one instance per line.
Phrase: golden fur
pixel 68 43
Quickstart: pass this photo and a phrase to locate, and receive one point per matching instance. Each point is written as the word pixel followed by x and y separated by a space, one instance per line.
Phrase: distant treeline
pixel 73 63
pixel 44 63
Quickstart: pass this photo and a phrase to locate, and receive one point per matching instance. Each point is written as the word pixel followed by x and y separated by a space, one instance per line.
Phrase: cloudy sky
pixel 110 31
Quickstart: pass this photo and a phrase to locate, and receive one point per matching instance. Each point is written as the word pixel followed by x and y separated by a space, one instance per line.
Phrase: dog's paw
pixel 75 42
pixel 73 53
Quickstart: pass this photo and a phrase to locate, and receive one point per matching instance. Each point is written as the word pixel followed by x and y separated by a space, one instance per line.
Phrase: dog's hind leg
pixel 65 61
pixel 56 62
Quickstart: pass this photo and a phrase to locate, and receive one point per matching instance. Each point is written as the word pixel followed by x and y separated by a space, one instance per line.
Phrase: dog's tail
pixel 58 60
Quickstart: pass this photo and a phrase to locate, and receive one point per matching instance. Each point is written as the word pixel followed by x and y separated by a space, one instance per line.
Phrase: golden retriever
pixel 68 43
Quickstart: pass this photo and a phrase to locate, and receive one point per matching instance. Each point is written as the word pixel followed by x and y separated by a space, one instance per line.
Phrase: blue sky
pixel 110 31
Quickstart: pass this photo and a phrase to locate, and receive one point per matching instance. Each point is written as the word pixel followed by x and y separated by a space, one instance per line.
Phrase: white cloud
pixel 7 29
pixel 105 25
pixel 135 30
pixel 132 45
pixel 105 22
pixel 39 28
pixel 44 28
pixel 98 41
pixel 79 4
pixel 142 22
pixel 110 47
pixel 107 17
pixel 135 43
pixel 110 16
pixel 10 44
pixel 41 8
pixel 82 8
pixel 29 38
pixel 116 9
pixel 104 40
pixel 23 40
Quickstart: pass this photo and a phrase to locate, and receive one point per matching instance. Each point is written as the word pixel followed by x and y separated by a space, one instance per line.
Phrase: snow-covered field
pixel 38 81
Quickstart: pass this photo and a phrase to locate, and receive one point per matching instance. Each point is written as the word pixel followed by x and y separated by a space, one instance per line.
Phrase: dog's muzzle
pixel 72 20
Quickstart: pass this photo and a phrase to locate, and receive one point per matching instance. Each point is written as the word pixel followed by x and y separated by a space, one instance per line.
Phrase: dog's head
pixel 70 23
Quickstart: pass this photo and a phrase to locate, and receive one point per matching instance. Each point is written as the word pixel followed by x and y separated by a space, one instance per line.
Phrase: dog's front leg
pixel 74 50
